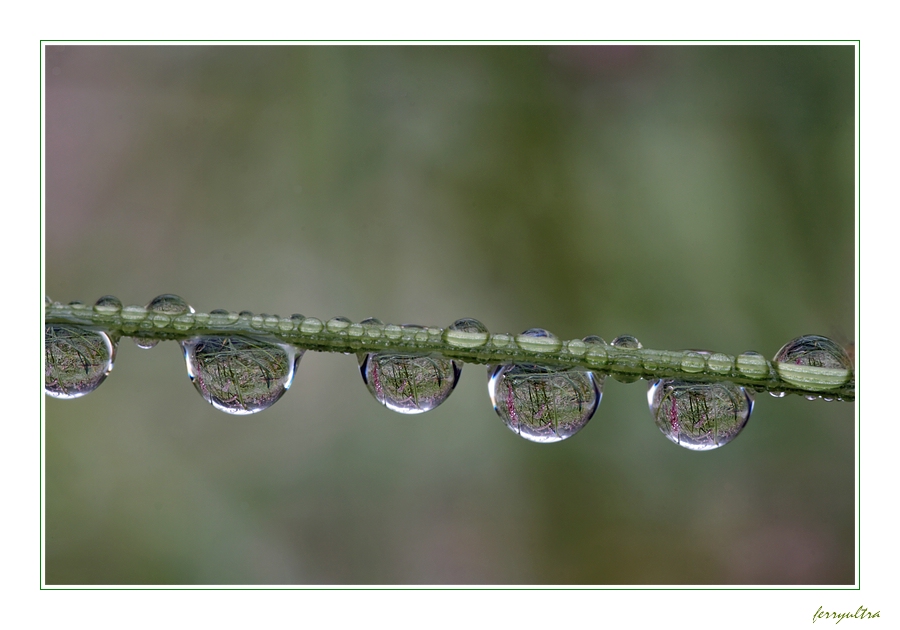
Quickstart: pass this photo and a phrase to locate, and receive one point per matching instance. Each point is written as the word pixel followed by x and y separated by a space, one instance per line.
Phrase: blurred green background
pixel 694 196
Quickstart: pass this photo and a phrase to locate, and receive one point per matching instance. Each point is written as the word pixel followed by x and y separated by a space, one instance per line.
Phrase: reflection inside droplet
pixel 699 416
pixel 409 383
pixel 240 375
pixel 542 403
pixel 76 360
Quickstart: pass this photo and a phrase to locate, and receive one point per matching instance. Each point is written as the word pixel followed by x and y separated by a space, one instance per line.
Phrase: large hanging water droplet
pixel 240 375
pixel 699 416
pixel 542 403
pixel 813 360
pixel 76 360
pixel 409 383
pixel 168 304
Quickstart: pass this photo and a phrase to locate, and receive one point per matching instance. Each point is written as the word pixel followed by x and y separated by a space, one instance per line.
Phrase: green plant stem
pixel 335 335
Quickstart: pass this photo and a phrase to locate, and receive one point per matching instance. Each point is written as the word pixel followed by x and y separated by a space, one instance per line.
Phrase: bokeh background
pixel 694 196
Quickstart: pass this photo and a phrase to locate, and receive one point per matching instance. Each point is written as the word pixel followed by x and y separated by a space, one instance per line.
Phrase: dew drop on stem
pixel 409 383
pixel 699 416
pixel 76 360
pixel 543 403
pixel 240 375
pixel 813 360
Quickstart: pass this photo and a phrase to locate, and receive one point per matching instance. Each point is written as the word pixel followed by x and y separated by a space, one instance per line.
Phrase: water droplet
pixel 752 364
pixel 168 304
pixel 221 317
pixel 627 341
pixel 538 340
pixel 246 314
pixel 776 394
pixel 694 361
pixel 311 325
pixel 338 324
pixel 108 305
pixel 813 360
pixel 699 416
pixel 596 350
pixel 720 363
pixel 466 333
pixel 144 343
pixel 542 403
pixel 372 326
pixel 629 362
pixel 576 347
pixel 76 360
pixel 409 383
pixel 134 313
pixel 240 375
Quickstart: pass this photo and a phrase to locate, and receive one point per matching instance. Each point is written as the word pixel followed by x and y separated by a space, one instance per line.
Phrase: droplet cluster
pixel 545 400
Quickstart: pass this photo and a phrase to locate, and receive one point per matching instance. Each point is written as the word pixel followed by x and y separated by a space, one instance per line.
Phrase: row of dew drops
pixel 242 374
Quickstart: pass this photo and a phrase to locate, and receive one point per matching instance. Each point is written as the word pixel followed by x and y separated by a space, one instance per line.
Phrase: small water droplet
pixel 221 317
pixel 246 314
pixel 699 416
pixel 630 362
pixel 542 403
pixel 627 341
pixel 76 360
pixel 466 333
pixel 576 347
pixel 694 361
pixel 338 324
pixel 311 325
pixel 372 327
pixel 720 363
pixel 409 383
pixel 813 360
pixel 752 364
pixel 134 313
pixel 108 305
pixel 777 394
pixel 168 304
pixel 538 340
pixel 144 343
pixel 240 375
pixel 595 352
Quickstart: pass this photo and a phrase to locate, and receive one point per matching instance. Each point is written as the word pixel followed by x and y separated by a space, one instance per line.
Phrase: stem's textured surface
pixel 341 335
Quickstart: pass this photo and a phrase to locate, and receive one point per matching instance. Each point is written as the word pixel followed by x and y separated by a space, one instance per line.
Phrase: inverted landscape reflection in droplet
pixel 76 360
pixel 409 383
pixel 542 403
pixel 240 375
pixel 699 416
